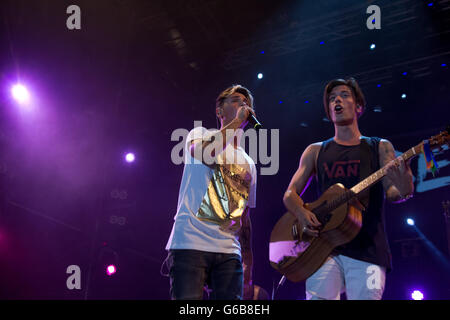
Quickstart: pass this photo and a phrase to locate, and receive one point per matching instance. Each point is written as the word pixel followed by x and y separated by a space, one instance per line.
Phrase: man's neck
pixel 348 135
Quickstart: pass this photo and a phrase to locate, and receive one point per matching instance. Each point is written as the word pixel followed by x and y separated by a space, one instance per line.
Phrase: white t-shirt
pixel 211 199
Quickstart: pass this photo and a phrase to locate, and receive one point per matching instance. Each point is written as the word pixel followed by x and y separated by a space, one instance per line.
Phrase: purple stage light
pixel 111 269
pixel 20 93
pixel 417 295
pixel 130 157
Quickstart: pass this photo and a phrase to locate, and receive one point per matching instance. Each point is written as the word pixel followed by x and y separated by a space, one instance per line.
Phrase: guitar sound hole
pixel 323 217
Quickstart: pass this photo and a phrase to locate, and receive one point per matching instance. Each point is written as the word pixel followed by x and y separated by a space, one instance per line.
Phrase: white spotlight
pixel 20 93
pixel 130 157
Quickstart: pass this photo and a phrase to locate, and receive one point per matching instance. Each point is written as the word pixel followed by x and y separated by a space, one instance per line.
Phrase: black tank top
pixel 349 165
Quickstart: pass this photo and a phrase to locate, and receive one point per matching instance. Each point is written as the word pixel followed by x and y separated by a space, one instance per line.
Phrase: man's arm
pixel 245 239
pixel 398 182
pixel 298 185
pixel 219 141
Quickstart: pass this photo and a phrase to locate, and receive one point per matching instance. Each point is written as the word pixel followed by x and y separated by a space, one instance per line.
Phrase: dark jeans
pixel 189 270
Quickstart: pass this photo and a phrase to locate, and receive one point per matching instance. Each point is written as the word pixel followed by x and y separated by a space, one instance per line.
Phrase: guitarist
pixel 357 268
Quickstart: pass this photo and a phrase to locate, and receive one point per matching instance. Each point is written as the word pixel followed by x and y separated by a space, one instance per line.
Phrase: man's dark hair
pixel 233 89
pixel 353 85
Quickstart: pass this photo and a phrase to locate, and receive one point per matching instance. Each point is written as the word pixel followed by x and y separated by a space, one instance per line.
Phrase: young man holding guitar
pixel 348 158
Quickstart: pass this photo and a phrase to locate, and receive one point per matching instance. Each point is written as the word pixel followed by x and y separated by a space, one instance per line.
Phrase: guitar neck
pixel 377 175
pixel 331 204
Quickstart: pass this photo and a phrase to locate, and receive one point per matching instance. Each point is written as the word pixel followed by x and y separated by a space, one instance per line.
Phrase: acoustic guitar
pixel 297 255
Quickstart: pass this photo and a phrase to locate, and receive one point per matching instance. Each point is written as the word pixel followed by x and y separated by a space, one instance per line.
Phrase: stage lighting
pixel 417 295
pixel 372 46
pixel 322 42
pixel 405 73
pixel 410 221
pixel 130 157
pixel 443 65
pixel 404 96
pixel 111 269
pixel 260 75
pixel 20 93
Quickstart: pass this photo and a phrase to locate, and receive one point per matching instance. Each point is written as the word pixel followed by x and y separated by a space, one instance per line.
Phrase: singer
pixel 210 242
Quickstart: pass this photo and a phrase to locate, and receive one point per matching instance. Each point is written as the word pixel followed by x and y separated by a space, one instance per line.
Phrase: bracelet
pixel 406 197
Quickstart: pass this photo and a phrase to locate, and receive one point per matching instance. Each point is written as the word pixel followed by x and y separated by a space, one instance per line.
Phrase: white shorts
pixel 359 280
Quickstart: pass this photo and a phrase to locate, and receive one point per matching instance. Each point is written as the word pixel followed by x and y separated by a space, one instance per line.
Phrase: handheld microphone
pixel 254 122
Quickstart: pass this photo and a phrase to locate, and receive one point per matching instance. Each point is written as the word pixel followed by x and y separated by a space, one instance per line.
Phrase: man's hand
pixel 309 222
pixel 242 115
pixel 398 182
pixel 400 174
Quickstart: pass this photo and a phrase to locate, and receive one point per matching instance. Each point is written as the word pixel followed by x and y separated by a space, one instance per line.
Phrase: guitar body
pixel 296 255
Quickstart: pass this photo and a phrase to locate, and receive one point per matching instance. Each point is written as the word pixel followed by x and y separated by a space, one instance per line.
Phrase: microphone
pixel 254 122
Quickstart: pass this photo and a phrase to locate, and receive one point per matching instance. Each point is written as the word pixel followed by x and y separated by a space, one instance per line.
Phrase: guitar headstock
pixel 440 139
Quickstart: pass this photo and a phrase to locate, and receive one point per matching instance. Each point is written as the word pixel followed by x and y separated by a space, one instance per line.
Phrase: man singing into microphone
pixel 210 242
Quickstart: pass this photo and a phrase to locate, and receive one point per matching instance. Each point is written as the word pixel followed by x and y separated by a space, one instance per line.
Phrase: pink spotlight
pixel 417 295
pixel 130 157
pixel 111 269
pixel 20 93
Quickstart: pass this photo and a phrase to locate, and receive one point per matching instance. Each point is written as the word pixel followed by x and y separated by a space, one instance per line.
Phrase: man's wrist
pixel 406 192
pixel 406 196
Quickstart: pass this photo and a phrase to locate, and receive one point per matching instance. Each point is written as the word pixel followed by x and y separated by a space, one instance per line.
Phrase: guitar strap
pixel 365 168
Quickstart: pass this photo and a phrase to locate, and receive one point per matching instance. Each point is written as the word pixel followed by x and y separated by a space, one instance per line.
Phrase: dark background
pixel 138 70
